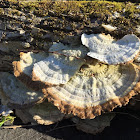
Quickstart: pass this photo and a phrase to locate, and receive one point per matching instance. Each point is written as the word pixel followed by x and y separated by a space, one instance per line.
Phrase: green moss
pixel 1 11
pixel 83 7
pixel 82 12
pixel 104 7
pixel 4 119
pixel 15 12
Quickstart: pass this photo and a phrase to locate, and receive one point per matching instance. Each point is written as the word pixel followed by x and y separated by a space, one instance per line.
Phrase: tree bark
pixel 34 26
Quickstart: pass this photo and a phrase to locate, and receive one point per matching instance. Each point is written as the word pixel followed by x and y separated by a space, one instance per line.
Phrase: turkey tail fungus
pixel 107 50
pixel 23 68
pixel 16 94
pixel 63 62
pixel 96 88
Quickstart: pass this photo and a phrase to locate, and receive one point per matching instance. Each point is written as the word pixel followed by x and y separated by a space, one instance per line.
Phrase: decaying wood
pixel 37 26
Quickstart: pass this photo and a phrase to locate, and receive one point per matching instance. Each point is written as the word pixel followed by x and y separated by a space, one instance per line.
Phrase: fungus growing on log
pixel 93 126
pixel 23 68
pixel 96 88
pixel 27 60
pixel 16 93
pixel 107 50
pixel 63 62
pixel 44 113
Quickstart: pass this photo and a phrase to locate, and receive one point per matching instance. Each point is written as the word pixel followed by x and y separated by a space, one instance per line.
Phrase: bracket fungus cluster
pixel 44 113
pixel 15 93
pixel 95 89
pixel 76 84
pixel 107 50
pixel 59 67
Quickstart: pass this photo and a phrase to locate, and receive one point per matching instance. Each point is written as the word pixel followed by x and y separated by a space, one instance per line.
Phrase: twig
pixel 31 50
pixel 55 52
pixel 127 114
pixel 17 126
pixel 136 99
pixel 56 125
pixel 61 128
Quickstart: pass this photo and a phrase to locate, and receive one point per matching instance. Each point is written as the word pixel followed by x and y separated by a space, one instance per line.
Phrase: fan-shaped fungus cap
pixel 46 113
pixel 60 66
pixel 93 126
pixel 96 88
pixel 23 68
pixel 27 60
pixel 106 49
pixel 18 95
pixel 25 116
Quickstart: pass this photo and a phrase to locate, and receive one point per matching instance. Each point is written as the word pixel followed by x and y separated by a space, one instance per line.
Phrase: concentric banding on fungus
pixel 23 68
pixel 60 66
pixel 17 94
pixel 27 60
pixel 96 88
pixel 107 50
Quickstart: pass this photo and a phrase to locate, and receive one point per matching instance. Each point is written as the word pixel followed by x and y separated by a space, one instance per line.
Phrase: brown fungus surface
pixel 96 88
pixel 23 68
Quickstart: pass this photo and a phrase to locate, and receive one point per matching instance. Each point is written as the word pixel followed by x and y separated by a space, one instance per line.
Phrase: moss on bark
pixel 43 23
